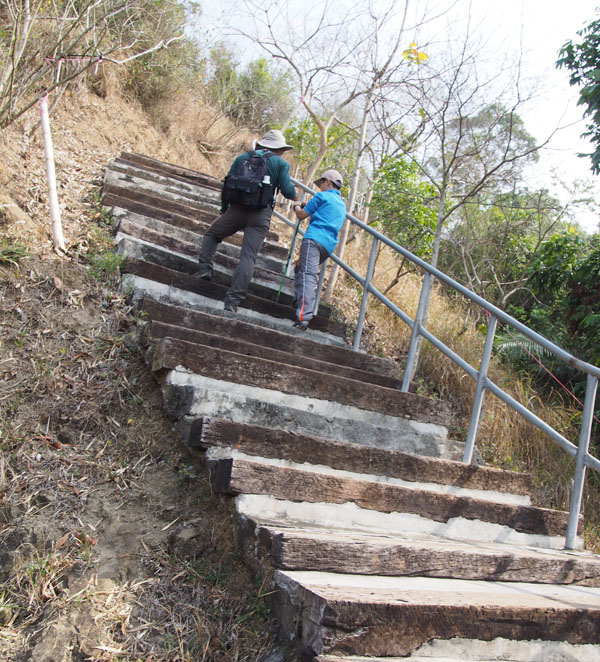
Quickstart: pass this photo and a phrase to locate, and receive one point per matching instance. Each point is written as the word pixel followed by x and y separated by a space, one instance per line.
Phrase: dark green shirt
pixel 279 172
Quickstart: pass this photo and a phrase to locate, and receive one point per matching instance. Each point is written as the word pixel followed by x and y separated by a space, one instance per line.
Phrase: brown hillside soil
pixel 112 546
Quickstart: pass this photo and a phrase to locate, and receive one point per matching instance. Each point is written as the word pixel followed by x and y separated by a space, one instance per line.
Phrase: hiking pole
pixel 289 257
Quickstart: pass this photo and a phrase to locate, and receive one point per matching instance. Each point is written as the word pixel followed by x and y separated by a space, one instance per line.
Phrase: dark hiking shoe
pixel 230 308
pixel 204 272
pixel 302 325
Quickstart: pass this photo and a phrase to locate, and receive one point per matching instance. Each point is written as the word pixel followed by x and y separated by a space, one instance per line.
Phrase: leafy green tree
pixel 582 305
pixel 266 94
pixel 582 60
pixel 304 135
pixel 259 96
pixel 404 207
pixel 564 306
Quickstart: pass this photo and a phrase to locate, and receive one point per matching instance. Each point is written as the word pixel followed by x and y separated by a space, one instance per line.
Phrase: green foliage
pixel 564 285
pixel 582 60
pixel 493 240
pixel 259 96
pixel 582 305
pixel 11 252
pixel 304 135
pixel 83 33
pixel 403 206
pixel 554 264
pixel 104 263
pixel 477 145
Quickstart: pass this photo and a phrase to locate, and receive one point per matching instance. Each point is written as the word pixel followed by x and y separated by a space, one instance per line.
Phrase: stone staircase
pixel 347 493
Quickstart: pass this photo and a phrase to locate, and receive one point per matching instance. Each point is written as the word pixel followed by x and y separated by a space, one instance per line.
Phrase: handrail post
pixel 582 451
pixel 414 339
pixel 320 287
pixel 480 390
pixel 365 296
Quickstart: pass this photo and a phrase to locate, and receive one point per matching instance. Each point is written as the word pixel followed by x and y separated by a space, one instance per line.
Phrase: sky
pixel 536 29
pixel 547 25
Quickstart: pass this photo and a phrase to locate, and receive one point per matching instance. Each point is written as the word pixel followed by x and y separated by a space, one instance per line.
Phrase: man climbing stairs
pixel 347 492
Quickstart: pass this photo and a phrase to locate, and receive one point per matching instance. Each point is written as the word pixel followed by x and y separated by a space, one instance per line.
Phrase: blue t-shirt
pixel 327 213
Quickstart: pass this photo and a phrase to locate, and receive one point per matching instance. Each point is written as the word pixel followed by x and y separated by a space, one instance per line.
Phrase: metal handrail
pixel 580 451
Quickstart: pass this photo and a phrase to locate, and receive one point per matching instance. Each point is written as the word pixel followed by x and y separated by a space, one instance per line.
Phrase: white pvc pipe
pixel 57 232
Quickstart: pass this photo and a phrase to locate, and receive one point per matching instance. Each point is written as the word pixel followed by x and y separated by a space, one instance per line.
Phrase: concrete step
pixel 156 331
pixel 171 170
pixel 396 616
pixel 350 518
pixel 350 552
pixel 122 184
pixel 138 288
pixel 310 484
pixel 189 190
pixel 186 284
pixel 225 365
pixel 188 397
pixel 296 344
pixel 360 461
pixel 264 283
pixel 180 240
pixel 120 205
pixel 128 187
pixel 465 650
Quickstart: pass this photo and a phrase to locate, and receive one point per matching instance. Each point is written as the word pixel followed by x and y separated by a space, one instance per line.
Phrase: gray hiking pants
pixel 312 255
pixel 255 225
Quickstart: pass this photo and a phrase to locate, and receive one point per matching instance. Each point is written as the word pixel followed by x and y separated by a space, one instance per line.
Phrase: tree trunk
pixel 351 197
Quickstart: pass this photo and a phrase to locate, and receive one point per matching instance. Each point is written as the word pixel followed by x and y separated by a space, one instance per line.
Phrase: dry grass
pixel 113 543
pixel 505 439
pixel 112 546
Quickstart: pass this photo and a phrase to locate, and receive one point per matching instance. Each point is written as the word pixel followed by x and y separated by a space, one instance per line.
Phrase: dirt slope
pixel 111 545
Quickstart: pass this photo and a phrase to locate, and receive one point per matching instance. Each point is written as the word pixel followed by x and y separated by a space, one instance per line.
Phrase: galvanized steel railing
pixel 583 458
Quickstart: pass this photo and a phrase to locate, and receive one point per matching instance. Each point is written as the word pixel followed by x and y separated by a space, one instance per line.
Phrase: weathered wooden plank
pixel 178 172
pixel 292 344
pixel 212 290
pixel 196 221
pixel 230 366
pixel 189 208
pixel 264 283
pixel 265 442
pixel 187 224
pixel 157 330
pixel 136 225
pixel 202 211
pixel 385 617
pixel 355 553
pixel 182 256
pixel 185 188
pixel 164 236
pixel 236 476
pixel 140 231
pixel 162 184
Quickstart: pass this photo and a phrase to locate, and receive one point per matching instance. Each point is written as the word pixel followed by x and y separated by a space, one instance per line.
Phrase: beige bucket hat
pixel 273 139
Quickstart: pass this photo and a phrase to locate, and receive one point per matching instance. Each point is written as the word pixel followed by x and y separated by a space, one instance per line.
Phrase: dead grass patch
pixel 112 545
pixel 505 439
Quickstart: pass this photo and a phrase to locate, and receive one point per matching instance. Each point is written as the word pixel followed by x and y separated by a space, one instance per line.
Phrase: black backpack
pixel 246 186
